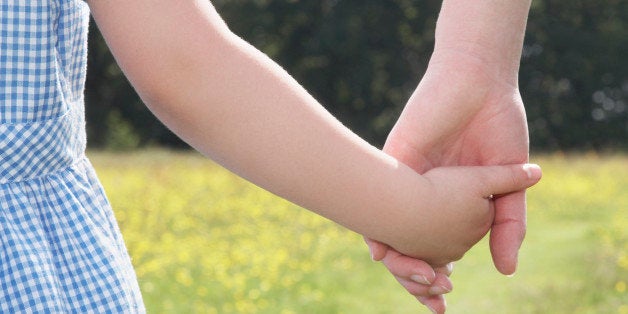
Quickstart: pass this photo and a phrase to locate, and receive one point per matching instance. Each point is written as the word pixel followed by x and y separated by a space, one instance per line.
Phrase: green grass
pixel 204 241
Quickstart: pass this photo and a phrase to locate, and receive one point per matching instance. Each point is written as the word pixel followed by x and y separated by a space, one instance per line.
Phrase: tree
pixel 574 75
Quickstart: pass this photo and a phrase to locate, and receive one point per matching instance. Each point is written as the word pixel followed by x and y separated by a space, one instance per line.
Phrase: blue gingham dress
pixel 60 247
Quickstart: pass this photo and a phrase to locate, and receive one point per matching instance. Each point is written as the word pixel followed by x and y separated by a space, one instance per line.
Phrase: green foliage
pixel 205 241
pixel 574 75
pixel 362 59
pixel 575 256
pixel 120 134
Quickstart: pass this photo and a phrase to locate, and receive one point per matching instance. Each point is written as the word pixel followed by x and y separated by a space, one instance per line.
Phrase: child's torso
pixel 43 54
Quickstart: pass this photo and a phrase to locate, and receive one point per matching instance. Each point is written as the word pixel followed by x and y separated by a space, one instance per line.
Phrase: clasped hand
pixel 461 114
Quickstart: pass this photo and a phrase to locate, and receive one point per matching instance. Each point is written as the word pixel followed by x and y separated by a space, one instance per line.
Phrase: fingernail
pixel 437 290
pixel 532 170
pixel 420 279
pixel 450 268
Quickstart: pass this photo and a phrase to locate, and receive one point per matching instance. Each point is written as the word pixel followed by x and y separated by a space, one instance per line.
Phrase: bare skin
pixel 467 110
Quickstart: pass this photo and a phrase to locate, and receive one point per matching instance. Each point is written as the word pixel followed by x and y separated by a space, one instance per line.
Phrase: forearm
pixel 235 105
pixel 491 31
pixel 268 129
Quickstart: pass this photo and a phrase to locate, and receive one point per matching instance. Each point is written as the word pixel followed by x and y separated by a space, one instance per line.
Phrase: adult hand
pixel 462 113
pixel 467 109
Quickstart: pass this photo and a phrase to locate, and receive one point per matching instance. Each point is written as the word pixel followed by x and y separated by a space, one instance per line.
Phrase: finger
pixel 408 268
pixel 435 303
pixel 414 288
pixel 441 285
pixel 378 250
pixel 508 231
pixel 445 270
pixel 509 178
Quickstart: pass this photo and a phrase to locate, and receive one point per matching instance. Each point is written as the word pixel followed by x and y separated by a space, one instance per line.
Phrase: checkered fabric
pixel 60 247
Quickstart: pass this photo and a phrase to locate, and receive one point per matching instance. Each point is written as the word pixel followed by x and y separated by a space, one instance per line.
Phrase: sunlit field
pixel 205 241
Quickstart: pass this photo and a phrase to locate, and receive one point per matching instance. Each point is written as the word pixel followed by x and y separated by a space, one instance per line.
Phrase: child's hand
pixel 459 208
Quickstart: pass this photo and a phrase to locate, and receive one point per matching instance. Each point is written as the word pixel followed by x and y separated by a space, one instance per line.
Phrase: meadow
pixel 204 241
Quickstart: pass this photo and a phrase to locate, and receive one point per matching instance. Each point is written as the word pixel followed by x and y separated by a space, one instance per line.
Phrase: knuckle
pixel 515 178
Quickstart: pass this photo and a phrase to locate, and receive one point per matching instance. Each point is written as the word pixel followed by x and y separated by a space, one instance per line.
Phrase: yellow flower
pixel 201 291
pixel 183 277
pixel 622 261
pixel 620 286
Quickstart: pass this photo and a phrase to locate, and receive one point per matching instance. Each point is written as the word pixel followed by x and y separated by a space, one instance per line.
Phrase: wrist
pixel 475 60
pixel 489 31
pixel 466 63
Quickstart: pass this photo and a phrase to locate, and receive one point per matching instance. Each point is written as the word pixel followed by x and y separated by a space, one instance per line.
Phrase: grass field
pixel 204 241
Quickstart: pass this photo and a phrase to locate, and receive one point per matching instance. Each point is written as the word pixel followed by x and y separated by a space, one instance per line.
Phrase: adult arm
pixel 467 110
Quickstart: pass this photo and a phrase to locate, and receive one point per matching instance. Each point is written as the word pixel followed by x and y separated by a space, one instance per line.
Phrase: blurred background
pixel 205 241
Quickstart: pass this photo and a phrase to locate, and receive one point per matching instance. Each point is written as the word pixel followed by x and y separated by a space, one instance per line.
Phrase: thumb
pixel 509 178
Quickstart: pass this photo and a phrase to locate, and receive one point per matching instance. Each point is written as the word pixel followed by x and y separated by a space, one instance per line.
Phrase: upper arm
pixel 156 42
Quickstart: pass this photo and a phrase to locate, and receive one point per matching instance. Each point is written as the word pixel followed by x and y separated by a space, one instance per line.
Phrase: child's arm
pixel 232 103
